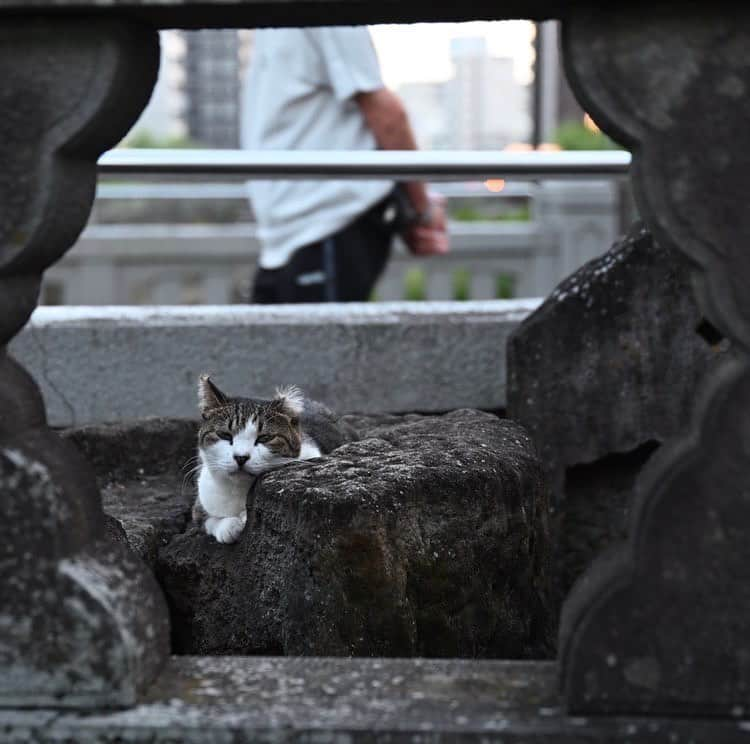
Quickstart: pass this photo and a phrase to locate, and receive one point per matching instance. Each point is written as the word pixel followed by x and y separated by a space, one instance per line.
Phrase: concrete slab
pixel 100 364
pixel 263 699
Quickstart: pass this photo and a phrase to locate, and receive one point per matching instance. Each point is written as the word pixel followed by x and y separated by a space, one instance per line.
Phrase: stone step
pixel 273 699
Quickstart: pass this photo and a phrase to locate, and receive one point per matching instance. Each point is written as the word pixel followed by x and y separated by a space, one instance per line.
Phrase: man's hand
pixel 386 117
pixel 430 239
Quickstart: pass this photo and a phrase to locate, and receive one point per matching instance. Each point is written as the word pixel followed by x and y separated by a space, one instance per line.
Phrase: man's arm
pixel 386 117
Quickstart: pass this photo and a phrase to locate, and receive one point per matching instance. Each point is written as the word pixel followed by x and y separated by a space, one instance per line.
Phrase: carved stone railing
pixel 83 622
pixel 658 627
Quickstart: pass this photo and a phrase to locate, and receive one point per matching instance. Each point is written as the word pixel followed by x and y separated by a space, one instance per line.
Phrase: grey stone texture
pixel 611 360
pixel 594 515
pixel 144 472
pixel 63 107
pixel 98 365
pixel 427 537
pixel 600 375
pixel 82 622
pixel 21 404
pixel 667 635
pixel 660 624
pixel 234 700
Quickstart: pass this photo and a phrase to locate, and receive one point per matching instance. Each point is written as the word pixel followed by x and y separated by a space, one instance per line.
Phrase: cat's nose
pixel 241 460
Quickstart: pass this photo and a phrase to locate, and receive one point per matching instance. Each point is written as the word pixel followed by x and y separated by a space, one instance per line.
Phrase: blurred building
pixel 212 86
pixel 426 105
pixel 197 94
pixel 482 107
pixel 486 105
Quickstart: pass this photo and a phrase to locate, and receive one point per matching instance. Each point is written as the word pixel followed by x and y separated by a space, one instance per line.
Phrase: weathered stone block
pixel 426 537
pixel 143 470
pixel 600 375
pixel 612 359
pixel 83 623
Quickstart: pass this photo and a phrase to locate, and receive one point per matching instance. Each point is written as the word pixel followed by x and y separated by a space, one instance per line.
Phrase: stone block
pixel 143 470
pixel 83 623
pixel 611 360
pixel 600 375
pixel 92 364
pixel 428 537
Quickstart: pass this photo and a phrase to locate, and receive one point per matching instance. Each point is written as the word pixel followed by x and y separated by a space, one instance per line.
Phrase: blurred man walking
pixel 329 240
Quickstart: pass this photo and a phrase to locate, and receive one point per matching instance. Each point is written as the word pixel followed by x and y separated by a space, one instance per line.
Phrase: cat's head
pixel 240 437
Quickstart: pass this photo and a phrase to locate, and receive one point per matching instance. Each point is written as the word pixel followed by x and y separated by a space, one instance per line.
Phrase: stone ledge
pixel 99 364
pixel 264 699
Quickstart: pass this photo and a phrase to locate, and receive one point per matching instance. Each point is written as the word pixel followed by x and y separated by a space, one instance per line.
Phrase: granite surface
pixel 266 699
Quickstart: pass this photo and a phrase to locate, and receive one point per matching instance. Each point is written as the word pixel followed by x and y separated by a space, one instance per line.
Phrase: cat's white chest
pixel 221 497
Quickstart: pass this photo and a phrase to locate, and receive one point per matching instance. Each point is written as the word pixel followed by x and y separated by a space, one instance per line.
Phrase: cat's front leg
pixel 226 529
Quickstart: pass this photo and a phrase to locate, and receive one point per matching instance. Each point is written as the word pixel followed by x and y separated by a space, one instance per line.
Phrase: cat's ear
pixel 291 401
pixel 209 396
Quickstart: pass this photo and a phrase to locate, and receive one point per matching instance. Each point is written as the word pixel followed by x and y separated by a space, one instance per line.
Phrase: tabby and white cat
pixel 241 438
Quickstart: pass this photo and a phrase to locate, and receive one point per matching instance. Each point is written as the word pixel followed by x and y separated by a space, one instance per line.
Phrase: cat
pixel 242 438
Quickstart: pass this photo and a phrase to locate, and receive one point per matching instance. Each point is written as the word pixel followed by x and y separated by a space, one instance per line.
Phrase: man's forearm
pixel 387 119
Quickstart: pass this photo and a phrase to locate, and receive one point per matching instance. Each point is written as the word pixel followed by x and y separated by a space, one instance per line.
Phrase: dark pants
pixel 343 267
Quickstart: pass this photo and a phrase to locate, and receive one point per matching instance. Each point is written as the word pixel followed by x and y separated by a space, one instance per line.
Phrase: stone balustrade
pixel 195 250
pixel 653 643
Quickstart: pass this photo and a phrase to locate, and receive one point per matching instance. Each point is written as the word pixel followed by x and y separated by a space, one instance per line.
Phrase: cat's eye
pixel 225 435
pixel 264 438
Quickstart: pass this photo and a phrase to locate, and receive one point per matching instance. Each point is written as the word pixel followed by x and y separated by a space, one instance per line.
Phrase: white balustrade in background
pixel 178 262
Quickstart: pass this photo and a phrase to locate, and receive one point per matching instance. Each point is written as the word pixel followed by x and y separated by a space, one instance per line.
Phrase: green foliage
pixel 573 135
pixel 469 213
pixel 415 285
pixel 145 139
pixel 506 287
pixel 461 285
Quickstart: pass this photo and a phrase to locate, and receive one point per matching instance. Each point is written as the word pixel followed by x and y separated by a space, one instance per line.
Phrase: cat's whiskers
pixel 193 470
pixel 191 462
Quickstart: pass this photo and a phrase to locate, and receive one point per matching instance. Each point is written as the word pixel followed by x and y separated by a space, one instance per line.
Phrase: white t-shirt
pixel 299 95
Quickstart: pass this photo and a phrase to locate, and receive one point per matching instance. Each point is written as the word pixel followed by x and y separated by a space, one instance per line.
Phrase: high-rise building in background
pixel 197 95
pixel 212 86
pixel 482 107
pixel 487 107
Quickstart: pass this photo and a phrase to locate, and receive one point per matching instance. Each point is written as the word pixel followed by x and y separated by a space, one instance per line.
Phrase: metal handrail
pixel 386 164
pixel 210 191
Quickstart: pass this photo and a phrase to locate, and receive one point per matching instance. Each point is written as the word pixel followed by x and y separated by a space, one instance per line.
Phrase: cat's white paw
pixel 226 529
